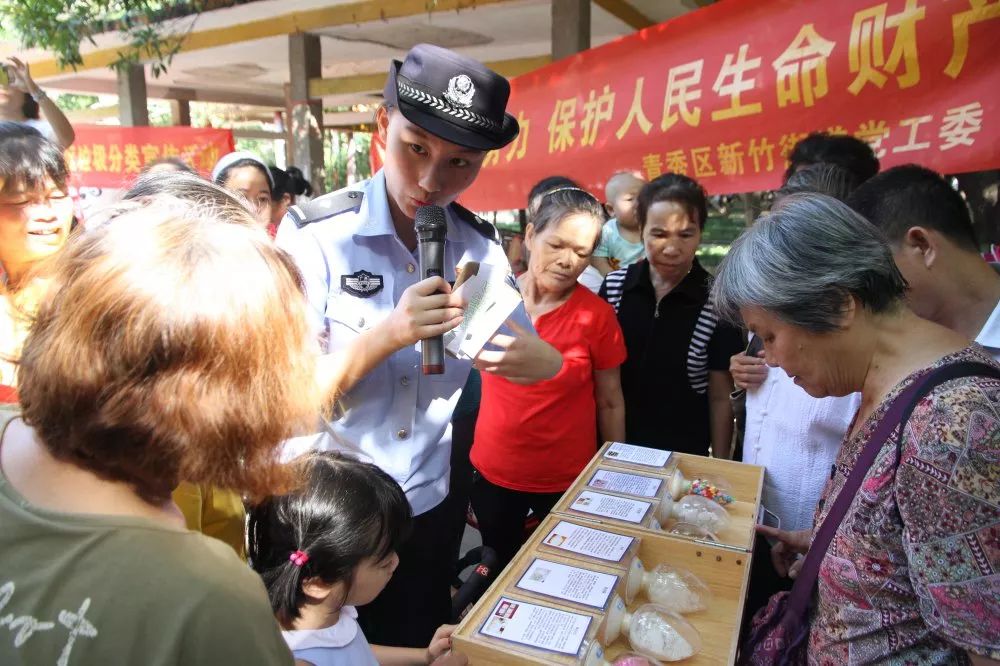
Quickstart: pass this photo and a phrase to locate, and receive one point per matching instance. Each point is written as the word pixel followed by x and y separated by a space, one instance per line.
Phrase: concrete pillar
pixel 180 112
pixel 306 118
pixel 132 111
pixel 570 27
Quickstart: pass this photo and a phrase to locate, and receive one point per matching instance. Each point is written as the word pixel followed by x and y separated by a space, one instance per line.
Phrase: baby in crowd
pixel 621 239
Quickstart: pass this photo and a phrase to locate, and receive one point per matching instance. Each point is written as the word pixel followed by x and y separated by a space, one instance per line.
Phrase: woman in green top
pixel 173 346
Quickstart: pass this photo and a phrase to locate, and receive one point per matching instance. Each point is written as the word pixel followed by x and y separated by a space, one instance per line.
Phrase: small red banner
pixel 112 157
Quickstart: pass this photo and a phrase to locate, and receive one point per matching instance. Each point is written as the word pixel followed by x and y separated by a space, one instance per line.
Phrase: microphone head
pixel 430 223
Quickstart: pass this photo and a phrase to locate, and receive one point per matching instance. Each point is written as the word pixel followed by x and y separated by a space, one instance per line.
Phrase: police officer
pixel 356 249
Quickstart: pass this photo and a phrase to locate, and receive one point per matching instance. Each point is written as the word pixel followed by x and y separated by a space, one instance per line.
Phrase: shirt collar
pixel 989 337
pixel 375 209
pixel 337 636
pixel 693 285
pixel 378 217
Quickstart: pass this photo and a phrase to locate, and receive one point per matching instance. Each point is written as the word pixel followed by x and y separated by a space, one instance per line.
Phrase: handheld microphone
pixel 431 232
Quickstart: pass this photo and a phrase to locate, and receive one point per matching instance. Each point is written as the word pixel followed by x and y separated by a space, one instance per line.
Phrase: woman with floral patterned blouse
pixel 912 575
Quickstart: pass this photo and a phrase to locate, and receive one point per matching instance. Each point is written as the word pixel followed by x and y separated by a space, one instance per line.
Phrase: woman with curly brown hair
pixel 148 365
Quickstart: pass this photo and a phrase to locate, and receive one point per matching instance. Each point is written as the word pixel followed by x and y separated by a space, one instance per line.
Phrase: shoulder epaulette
pixel 326 206
pixel 481 226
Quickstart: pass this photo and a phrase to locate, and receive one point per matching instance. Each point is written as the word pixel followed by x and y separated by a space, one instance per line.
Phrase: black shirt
pixel 672 345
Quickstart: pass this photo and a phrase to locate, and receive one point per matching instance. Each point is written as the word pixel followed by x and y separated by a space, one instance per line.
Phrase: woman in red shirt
pixel 532 441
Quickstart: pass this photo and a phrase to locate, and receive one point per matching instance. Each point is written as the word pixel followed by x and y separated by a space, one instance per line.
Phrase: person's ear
pixel 609 209
pixel 317 589
pixel 922 245
pixel 849 311
pixel 382 122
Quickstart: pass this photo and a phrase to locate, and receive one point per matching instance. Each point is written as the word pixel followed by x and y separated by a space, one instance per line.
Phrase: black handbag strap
pixel 895 416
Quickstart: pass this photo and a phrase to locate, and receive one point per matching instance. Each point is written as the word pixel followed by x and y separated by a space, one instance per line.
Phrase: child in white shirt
pixel 331 546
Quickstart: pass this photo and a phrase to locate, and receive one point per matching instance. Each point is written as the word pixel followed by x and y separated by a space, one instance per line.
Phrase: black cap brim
pixel 445 128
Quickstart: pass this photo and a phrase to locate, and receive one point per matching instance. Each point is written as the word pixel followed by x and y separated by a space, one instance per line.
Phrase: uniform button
pixel 352 195
pixel 405 381
pixel 763 412
pixel 410 268
pixel 402 434
pixel 361 323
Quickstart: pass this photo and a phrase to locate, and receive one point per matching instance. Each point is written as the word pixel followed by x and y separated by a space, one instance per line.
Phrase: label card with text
pixel 582 586
pixel 611 506
pixel 537 626
pixel 622 482
pixel 637 455
pixel 588 541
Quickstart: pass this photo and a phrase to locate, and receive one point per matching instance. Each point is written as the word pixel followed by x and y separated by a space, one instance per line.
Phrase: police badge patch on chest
pixel 361 284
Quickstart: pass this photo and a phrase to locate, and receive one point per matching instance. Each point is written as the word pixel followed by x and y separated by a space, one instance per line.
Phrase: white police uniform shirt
pixel 355 270
pixel 989 336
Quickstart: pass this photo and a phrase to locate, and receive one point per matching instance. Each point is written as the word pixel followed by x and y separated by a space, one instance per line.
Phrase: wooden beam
pixel 364 11
pixel 92 115
pixel 625 13
pixel 364 83
pixel 109 87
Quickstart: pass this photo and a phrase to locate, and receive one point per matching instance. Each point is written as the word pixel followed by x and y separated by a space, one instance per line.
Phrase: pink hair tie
pixel 298 558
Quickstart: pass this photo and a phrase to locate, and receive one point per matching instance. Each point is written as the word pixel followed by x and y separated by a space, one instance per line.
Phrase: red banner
pixel 723 93
pixel 104 156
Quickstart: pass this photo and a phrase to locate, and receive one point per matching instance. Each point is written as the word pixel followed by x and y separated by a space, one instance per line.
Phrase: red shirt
pixel 538 438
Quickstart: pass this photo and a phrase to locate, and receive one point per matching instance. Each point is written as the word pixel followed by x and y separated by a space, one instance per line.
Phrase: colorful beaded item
pixel 711 491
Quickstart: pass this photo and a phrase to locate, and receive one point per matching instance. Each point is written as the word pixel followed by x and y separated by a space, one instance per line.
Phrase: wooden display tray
pixel 746 480
pixel 724 570
pixel 723 566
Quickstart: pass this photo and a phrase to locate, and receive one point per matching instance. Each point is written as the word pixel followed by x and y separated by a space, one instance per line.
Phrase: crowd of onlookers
pixel 158 355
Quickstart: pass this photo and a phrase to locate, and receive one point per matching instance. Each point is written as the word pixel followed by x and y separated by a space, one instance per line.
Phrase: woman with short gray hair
pixel 901 568
pixel 802 258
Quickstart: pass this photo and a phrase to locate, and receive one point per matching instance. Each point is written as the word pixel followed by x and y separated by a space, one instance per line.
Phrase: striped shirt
pixel 672 345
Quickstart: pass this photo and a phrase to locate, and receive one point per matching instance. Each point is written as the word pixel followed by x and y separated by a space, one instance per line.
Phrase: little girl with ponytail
pixel 328 547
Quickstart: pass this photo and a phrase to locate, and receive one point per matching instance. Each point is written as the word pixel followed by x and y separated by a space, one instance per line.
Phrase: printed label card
pixel 587 541
pixel 611 506
pixel 622 482
pixel 637 455
pixel 537 626
pixel 582 586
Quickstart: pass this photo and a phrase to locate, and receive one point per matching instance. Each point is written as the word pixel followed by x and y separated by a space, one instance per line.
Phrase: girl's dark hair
pixel 27 159
pixel 562 202
pixel 239 164
pixel 681 190
pixel 346 511
pixel 289 181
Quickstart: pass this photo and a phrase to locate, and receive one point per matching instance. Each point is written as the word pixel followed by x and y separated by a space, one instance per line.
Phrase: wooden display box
pixel 723 566
pixel 746 483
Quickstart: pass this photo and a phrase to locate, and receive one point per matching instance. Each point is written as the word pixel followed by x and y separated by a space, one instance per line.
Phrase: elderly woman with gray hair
pixel 902 564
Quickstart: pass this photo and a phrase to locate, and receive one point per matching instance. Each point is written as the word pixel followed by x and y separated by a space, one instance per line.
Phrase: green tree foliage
pixel 339 150
pixel 153 30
